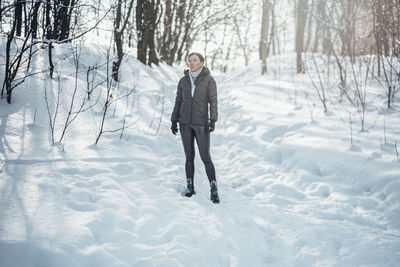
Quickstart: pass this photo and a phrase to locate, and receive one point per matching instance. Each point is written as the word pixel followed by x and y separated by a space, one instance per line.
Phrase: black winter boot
pixel 214 192
pixel 190 187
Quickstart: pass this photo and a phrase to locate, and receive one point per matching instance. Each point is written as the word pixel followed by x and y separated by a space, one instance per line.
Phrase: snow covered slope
pixel 294 191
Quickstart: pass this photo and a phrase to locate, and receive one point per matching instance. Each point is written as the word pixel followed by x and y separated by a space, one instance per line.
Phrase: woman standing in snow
pixel 196 92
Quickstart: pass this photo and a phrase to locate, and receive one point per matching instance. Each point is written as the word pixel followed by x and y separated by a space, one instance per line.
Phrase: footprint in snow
pixel 123 169
pixel 281 131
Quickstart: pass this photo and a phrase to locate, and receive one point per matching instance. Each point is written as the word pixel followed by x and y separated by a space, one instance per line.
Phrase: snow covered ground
pixel 294 191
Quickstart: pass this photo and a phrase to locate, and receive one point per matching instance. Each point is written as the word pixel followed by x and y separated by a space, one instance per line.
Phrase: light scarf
pixel 193 76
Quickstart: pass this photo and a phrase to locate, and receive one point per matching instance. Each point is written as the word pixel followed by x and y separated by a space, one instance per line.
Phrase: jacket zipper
pixel 191 98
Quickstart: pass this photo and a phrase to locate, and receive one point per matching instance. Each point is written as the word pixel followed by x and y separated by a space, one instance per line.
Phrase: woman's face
pixel 195 63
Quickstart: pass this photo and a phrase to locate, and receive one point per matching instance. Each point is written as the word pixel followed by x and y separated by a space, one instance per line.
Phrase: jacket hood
pixel 205 71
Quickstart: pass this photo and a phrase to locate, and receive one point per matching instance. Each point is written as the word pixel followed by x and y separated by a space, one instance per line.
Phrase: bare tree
pixel 390 81
pixel 34 22
pixel 110 98
pixel 18 16
pixel 186 21
pixel 360 82
pixel 172 29
pixel 147 19
pixel 74 108
pixel 13 63
pixel 242 25
pixel 52 114
pixel 263 47
pixel 309 25
pixel 321 84
pixel 301 18
pixel 120 24
pixel 348 15
pixel 19 50
pixel 272 39
pixel 386 24
pixel 74 112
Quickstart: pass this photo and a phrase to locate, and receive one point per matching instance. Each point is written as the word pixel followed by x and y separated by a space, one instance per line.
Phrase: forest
pixel 230 33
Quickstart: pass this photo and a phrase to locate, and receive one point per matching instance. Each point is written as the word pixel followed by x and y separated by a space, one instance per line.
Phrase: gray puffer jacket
pixel 194 110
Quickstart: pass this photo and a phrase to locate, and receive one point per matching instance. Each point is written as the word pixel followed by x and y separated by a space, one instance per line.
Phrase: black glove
pixel 174 127
pixel 211 126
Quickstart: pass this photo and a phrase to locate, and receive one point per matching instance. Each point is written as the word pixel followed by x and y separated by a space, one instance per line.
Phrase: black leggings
pixel 188 134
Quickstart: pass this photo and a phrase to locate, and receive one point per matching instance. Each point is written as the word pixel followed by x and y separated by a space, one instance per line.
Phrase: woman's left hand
pixel 211 126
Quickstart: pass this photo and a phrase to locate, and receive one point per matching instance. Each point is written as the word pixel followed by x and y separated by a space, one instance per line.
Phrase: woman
pixel 196 92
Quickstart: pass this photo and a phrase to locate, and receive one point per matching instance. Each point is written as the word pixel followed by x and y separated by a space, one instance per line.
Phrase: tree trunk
pixel 152 23
pixel 316 37
pixel 309 28
pixel 49 34
pixel 26 24
pixel 271 41
pixel 7 74
pixel 263 46
pixel 34 22
pixel 66 19
pixel 179 21
pixel 18 17
pixel 1 15
pixel 300 27
pixel 187 17
pixel 62 18
pixel 323 29
pixel 141 31
pixel 119 29
pixel 376 12
pixel 118 41
pixel 166 37
pixel 184 41
pixel 50 54
pixel 56 26
pixel 62 12
pixel 385 29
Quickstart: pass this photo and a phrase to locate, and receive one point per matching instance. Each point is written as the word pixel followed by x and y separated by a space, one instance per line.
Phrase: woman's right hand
pixel 174 127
